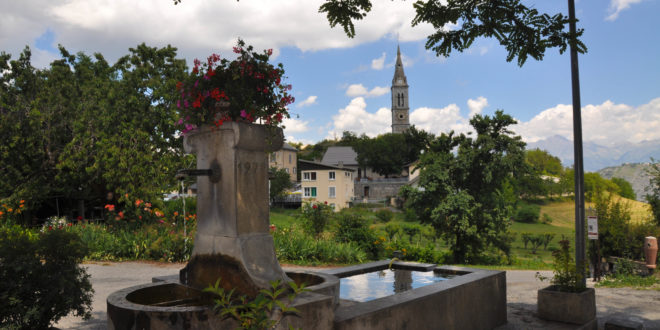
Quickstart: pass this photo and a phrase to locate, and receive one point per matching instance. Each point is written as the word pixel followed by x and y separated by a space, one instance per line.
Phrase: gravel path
pixel 636 305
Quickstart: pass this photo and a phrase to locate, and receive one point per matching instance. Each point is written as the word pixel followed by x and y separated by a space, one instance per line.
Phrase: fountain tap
pixel 213 173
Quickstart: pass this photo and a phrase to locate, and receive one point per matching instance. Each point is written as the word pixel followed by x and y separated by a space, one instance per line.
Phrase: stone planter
pixel 568 307
pixel 233 240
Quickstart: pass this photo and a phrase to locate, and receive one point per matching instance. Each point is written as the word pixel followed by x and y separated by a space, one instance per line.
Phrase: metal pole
pixel 580 246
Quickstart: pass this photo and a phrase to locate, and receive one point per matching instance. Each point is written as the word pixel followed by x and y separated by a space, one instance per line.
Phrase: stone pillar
pixel 233 242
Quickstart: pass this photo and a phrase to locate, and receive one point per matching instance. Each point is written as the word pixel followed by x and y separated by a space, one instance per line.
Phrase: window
pixel 309 176
pixel 309 192
pixel 289 158
pixel 273 157
pixel 294 170
pixel 347 174
pixel 332 206
pixel 331 192
pixel 331 175
pixel 286 169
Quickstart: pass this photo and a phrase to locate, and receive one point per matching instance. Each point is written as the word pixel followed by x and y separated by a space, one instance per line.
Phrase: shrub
pixel 546 219
pixel 40 279
pixel 315 217
pixel 354 228
pixel 528 213
pixel 384 215
pixel 392 229
pixel 294 246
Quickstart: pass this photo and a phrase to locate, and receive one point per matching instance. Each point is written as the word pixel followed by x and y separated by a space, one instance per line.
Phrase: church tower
pixel 400 110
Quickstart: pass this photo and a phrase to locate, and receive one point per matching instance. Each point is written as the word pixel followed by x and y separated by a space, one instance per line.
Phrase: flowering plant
pixel 247 89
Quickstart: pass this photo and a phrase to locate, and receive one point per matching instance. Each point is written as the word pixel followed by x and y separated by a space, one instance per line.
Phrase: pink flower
pixel 243 113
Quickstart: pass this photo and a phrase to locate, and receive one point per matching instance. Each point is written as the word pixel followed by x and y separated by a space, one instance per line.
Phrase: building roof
pixel 306 165
pixel 287 146
pixel 340 155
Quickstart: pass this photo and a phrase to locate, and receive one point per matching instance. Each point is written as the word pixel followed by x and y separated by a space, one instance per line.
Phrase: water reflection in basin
pixel 382 283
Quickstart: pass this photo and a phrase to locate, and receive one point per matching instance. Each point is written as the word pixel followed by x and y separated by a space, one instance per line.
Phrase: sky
pixel 343 84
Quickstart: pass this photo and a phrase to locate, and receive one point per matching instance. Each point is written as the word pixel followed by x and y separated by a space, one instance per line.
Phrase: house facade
pixel 285 158
pixel 326 183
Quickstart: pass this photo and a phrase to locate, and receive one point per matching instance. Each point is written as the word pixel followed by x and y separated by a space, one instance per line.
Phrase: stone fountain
pixel 233 244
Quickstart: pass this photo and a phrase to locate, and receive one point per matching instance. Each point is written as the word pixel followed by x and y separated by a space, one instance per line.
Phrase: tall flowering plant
pixel 246 89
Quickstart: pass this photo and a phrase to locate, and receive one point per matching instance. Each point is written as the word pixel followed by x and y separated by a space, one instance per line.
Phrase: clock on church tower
pixel 400 110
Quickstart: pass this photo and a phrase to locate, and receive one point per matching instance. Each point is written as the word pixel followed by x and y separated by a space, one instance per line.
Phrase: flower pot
pixel 650 251
pixel 568 307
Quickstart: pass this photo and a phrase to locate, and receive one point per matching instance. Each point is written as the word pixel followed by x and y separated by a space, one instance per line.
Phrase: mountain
pixel 598 156
pixel 636 174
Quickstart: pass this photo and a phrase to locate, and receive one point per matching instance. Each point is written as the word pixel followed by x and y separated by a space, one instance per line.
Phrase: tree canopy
pixel 522 30
pixel 465 185
pixel 82 128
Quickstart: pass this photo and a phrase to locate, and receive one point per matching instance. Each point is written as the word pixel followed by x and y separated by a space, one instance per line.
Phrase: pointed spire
pixel 399 76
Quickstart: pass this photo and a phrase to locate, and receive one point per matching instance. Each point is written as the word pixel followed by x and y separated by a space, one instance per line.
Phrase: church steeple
pixel 399 78
pixel 400 119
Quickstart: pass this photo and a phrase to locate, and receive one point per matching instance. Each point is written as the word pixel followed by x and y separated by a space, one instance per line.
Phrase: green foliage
pixel 653 195
pixel 613 225
pixel 265 311
pixel 566 277
pixel 463 179
pixel 384 215
pixel 546 219
pixel 294 246
pixel 280 181
pixel 82 128
pixel 628 281
pixel 392 229
pixel 521 30
pixel 625 188
pixel 355 228
pixel 315 217
pixel 40 278
pixel 543 162
pixel 594 184
pixel 528 213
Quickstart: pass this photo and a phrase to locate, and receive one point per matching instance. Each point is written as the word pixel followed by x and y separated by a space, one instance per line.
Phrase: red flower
pixel 79 218
pixel 110 207
pixel 215 94
pixel 179 85
pixel 314 206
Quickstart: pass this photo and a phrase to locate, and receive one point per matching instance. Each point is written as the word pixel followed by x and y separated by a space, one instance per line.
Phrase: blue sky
pixel 343 84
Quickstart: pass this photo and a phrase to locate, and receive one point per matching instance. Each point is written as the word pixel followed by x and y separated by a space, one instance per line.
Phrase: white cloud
pixel 355 90
pixel 293 139
pixel 605 124
pixel 308 101
pixel 617 6
pixel 196 27
pixel 476 106
pixel 355 118
pixel 378 63
pixel 294 125
pixel 440 120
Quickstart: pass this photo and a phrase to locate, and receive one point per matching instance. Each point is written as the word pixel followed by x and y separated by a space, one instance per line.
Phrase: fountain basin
pixel 167 304
pixel 474 300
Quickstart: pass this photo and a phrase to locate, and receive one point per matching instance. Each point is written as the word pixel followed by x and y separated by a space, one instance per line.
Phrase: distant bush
pixel 295 246
pixel 546 219
pixel 315 217
pixel 384 215
pixel 40 278
pixel 528 213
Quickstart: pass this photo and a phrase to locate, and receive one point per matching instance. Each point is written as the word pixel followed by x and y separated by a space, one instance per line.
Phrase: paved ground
pixel 637 305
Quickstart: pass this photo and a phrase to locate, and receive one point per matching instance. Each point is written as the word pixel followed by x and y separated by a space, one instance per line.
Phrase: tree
pixel 463 180
pixel 543 162
pixel 625 188
pixel 82 128
pixel 521 30
pixel 653 195
pixel 279 182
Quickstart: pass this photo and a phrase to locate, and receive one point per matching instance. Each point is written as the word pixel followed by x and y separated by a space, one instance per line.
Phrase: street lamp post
pixel 580 249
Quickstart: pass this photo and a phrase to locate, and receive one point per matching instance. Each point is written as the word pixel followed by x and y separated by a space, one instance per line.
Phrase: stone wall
pixel 379 189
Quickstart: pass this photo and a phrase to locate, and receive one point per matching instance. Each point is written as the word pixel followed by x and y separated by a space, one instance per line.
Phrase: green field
pixel 562 214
